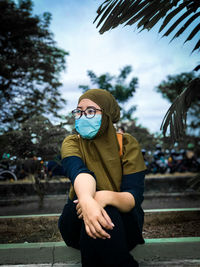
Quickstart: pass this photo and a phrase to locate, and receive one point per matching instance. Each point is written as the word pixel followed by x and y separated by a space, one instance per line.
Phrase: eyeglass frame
pixel 84 112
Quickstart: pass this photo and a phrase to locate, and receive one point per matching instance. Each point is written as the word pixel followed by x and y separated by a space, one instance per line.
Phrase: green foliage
pixel 36 137
pixel 30 64
pixel 178 85
pixel 117 86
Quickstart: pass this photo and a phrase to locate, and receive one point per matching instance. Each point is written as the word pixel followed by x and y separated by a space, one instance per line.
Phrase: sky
pixel 152 58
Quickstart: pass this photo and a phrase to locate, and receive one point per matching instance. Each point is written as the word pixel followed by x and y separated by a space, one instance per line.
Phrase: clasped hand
pixel 94 216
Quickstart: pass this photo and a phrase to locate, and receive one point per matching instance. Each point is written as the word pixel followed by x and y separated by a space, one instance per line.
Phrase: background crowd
pixel 160 161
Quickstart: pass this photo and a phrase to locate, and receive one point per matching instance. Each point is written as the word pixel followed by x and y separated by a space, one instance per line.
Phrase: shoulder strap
pixel 120 141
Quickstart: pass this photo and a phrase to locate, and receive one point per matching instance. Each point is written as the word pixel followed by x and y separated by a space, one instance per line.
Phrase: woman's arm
pixel 94 215
pixel 124 201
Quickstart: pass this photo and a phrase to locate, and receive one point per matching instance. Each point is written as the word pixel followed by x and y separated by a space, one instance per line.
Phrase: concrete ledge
pixel 158 184
pixel 158 216
pixel 13 199
pixel 165 249
pixel 153 216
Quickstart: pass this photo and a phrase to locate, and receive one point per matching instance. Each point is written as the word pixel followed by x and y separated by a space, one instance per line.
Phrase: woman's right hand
pixel 95 217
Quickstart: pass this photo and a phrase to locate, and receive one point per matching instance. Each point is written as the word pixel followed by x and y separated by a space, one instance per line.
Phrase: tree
pixel 117 86
pixel 181 14
pixel 35 137
pixel 174 85
pixel 30 64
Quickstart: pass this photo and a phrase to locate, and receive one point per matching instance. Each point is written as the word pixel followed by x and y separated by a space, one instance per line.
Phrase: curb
pixel 151 215
pixel 164 249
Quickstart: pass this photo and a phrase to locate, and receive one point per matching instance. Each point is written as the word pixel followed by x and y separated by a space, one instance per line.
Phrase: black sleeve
pixel 134 183
pixel 73 166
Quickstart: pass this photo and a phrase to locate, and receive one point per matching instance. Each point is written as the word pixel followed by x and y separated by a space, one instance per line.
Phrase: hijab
pixel 101 154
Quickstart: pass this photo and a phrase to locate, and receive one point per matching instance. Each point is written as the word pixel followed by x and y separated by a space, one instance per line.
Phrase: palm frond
pixel 176 23
pixel 175 118
pixel 198 66
pixel 147 13
pixel 171 15
pixel 197 47
pixel 152 22
pixel 189 21
pixel 193 33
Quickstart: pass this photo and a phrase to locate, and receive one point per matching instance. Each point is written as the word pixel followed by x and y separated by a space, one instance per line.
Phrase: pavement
pixel 174 263
pixel 155 252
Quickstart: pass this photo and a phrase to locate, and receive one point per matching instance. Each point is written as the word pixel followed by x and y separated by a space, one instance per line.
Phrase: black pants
pixel 99 252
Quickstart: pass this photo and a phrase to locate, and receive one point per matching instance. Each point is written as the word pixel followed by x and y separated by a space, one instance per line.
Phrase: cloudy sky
pixel 151 57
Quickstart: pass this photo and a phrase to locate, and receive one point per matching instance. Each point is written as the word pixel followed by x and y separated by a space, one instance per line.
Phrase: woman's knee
pixel 114 214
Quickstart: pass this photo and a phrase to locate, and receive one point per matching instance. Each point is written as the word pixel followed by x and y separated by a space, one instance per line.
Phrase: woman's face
pixel 85 103
pixel 87 125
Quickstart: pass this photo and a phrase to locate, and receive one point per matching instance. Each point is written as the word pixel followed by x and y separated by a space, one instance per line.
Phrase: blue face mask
pixel 88 128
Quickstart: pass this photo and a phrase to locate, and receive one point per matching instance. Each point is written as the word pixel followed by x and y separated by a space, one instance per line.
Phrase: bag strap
pixel 120 141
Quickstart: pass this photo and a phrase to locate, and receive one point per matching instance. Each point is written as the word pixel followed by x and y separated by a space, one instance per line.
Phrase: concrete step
pixel 184 251
pixel 153 253
pixel 154 216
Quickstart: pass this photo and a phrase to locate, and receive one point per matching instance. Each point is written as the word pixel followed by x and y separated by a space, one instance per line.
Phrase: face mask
pixel 88 128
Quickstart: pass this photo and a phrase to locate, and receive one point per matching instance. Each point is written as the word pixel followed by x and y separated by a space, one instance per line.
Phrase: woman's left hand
pixel 100 197
pixel 78 209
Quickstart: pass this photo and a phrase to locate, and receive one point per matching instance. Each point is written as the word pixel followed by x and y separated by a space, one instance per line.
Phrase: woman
pixel 103 217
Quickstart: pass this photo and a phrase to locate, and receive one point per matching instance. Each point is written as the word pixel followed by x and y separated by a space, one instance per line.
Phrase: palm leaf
pixel 152 11
pixel 114 20
pixel 193 33
pixel 183 28
pixel 101 9
pixel 197 47
pixel 177 22
pixel 158 16
pixel 107 11
pixel 146 10
pixel 176 114
pixel 147 13
pixel 198 66
pixel 133 8
pixel 171 15
pixel 149 10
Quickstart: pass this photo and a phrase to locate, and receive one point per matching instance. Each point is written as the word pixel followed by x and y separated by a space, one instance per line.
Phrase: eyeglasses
pixel 89 113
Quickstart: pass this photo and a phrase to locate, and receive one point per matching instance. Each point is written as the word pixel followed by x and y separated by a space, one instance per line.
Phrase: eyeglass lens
pixel 89 113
